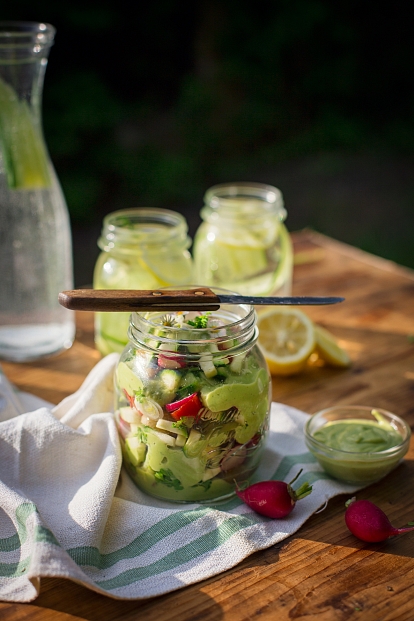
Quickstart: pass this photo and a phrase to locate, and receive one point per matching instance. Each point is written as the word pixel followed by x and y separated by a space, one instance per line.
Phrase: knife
pixel 199 298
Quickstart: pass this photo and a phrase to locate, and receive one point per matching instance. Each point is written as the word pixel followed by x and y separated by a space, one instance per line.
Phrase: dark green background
pixel 151 103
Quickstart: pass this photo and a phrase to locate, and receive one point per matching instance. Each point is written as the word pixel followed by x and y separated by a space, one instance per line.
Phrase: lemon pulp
pixel 286 338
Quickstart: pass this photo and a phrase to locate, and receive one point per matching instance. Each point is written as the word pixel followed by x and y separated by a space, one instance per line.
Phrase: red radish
pixel 174 405
pixel 170 362
pixel 274 499
pixel 189 406
pixel 124 427
pixel 369 523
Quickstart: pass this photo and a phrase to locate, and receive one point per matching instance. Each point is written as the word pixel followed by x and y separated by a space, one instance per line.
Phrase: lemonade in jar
pixel 142 248
pixel 242 243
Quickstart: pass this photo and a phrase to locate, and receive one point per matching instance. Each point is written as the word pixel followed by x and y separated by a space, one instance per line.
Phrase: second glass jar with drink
pixel 142 248
pixel 242 243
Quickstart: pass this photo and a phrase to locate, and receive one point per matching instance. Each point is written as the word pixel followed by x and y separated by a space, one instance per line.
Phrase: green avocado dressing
pixel 355 436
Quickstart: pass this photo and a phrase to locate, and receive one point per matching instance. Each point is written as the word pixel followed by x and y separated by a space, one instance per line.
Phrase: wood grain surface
pixel 322 572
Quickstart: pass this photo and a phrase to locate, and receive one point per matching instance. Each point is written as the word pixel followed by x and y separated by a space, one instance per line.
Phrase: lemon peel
pixel 328 348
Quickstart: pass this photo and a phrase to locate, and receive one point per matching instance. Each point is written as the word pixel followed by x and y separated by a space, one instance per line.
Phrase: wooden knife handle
pixel 128 300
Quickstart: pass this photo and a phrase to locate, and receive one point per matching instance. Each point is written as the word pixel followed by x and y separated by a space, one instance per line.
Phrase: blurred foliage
pixel 152 103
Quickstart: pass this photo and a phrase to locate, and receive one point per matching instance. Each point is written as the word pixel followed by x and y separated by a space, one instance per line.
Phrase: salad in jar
pixel 192 402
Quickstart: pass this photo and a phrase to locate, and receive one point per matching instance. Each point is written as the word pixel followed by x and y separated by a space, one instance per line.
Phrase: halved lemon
pixel 286 338
pixel 328 348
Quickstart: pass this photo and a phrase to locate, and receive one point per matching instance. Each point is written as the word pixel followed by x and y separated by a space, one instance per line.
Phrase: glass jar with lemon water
pixel 143 248
pixel 242 244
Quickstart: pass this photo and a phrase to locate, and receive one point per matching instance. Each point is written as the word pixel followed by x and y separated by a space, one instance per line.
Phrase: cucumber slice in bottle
pixel 21 140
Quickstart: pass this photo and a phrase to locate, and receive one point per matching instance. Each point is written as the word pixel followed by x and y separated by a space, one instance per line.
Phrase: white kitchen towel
pixel 68 509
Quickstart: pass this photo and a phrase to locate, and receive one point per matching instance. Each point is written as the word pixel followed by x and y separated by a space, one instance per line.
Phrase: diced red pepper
pixel 189 406
pixel 131 400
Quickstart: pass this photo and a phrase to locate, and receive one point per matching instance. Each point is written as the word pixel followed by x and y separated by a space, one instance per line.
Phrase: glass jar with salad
pixel 142 248
pixel 242 243
pixel 192 402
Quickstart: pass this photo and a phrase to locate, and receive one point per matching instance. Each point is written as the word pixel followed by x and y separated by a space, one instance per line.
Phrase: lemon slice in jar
pixel 243 264
pixel 168 270
pixel 328 348
pixel 286 338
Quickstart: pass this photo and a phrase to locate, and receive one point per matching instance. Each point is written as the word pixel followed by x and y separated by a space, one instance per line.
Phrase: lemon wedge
pixel 327 348
pixel 286 338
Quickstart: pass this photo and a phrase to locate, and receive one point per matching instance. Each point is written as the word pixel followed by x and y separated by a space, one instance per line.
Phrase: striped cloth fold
pixel 68 509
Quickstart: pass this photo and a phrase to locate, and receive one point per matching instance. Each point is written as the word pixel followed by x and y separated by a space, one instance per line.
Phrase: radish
pixel 274 499
pixel 369 523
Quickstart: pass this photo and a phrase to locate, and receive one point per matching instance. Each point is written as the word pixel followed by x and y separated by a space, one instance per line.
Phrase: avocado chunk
pixel 250 399
pixel 127 380
pixel 135 450
pixel 160 457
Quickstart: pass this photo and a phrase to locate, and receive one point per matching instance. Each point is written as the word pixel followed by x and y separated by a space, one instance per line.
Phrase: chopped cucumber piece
pixel 171 380
pixel 237 363
pixel 207 365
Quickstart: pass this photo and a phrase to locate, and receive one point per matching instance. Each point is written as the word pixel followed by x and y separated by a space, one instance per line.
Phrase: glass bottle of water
pixel 35 239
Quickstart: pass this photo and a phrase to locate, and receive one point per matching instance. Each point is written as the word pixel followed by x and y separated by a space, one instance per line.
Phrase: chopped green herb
pixel 184 391
pixel 205 484
pixel 180 424
pixel 167 478
pixel 410 338
pixel 139 394
pixel 141 435
pixel 200 321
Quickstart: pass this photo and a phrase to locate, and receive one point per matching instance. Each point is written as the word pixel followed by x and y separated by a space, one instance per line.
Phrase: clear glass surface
pixel 35 239
pixel 143 248
pixel 192 403
pixel 242 243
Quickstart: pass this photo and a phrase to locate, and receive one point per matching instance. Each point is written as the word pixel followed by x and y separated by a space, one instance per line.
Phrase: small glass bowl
pixel 359 468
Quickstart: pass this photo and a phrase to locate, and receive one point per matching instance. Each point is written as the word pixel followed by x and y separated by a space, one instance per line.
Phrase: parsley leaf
pixel 167 478
pixel 200 321
pixel 205 484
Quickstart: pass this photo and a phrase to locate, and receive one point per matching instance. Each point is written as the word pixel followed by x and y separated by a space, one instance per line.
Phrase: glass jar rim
pixel 225 197
pixel 23 33
pixel 243 327
pixel 118 228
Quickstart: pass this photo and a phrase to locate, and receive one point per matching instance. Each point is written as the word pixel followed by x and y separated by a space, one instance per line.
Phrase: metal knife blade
pixel 198 298
pixel 305 300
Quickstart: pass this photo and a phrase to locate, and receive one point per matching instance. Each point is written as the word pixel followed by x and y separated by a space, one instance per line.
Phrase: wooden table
pixel 322 572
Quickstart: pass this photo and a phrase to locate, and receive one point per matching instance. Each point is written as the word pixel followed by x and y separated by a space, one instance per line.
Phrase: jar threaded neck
pixel 144 227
